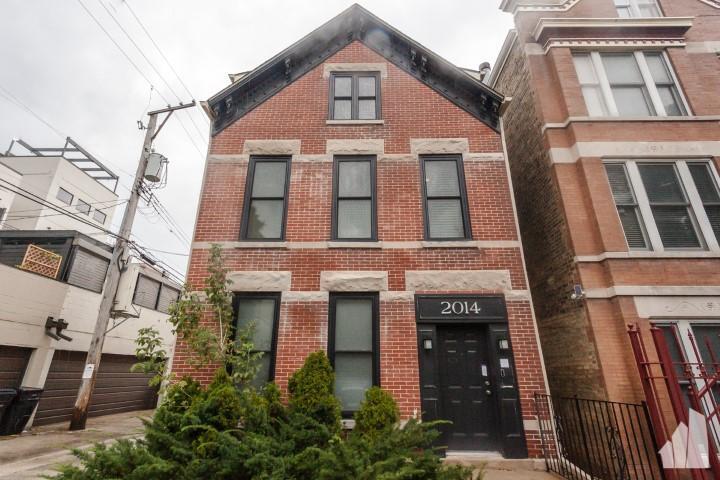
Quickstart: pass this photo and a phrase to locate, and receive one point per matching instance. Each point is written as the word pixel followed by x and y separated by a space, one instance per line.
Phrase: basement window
pixel 355 96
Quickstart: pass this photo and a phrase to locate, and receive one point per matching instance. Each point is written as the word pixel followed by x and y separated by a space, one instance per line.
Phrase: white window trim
pixel 703 228
pixel 639 55
pixel 635 8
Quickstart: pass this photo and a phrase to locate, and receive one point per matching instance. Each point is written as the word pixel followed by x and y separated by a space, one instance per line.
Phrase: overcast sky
pixel 56 60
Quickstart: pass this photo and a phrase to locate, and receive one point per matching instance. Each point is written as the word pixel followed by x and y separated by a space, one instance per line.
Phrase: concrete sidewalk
pixel 36 453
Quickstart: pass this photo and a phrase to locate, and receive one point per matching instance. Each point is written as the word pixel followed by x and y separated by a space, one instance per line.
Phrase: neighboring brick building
pixel 335 242
pixel 613 141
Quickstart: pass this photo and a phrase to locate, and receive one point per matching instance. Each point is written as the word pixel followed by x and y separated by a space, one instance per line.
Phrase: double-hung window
pixel 266 194
pixel 355 96
pixel 445 198
pixel 260 312
pixel 667 205
pixel 628 84
pixel 354 199
pixel 353 346
pixel 637 8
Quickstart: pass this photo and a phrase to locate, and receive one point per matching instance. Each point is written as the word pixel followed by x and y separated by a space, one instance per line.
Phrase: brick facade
pixel 410 111
pixel 569 223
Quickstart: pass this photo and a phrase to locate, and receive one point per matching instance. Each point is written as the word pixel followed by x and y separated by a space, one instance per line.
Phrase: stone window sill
pixel 337 244
pixel 451 244
pixel 250 244
pixel 355 122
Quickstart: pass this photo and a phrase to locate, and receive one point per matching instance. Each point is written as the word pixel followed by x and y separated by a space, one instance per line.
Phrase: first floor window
pixel 266 198
pixel 261 313
pixel 627 84
pixel 354 202
pixel 353 346
pixel 446 211
pixel 666 205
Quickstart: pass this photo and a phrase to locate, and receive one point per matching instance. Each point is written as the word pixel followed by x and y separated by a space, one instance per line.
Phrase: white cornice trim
pixel 611 23
pixel 515 6
pixel 651 290
pixel 628 150
pixel 632 255
pixel 712 3
pixel 613 43
pixel 566 123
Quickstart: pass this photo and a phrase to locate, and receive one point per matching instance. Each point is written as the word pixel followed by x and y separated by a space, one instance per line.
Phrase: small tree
pixel 206 327
pixel 378 413
pixel 311 391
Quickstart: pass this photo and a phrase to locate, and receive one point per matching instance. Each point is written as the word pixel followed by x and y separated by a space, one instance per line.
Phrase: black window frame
pixel 277 298
pixel 248 198
pixel 354 96
pixel 457 158
pixel 57 196
pixel 332 310
pixel 337 160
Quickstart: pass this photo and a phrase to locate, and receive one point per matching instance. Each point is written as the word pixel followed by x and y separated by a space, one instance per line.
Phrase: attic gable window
pixel 355 96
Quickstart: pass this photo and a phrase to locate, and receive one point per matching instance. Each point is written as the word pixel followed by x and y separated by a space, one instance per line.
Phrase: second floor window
pixel 637 8
pixel 266 198
pixel 628 84
pixel 83 207
pixel 354 199
pixel 64 196
pixel 354 96
pixel 446 211
pixel 666 205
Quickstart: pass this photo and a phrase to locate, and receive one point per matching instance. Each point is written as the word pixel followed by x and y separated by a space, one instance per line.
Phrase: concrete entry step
pixel 494 461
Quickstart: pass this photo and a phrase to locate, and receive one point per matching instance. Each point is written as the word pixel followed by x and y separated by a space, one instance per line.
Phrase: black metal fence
pixel 588 439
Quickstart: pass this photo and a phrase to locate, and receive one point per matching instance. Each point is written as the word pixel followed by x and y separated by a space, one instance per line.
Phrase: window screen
pixel 64 196
pixel 354 96
pixel 353 347
pixel 260 311
pixel 87 270
pixel 265 199
pixel 445 203
pixel 146 292
pixel 669 205
pixel 354 207
pixel 627 206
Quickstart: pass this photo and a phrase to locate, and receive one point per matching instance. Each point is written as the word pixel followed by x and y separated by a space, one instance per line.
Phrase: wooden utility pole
pixel 112 278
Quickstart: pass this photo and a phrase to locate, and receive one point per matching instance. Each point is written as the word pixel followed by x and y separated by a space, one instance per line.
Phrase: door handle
pixel 488 392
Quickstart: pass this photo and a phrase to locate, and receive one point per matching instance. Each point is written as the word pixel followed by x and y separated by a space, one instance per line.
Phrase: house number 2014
pixel 459 308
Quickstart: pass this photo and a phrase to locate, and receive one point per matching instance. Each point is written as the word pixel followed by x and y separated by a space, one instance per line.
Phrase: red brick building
pixel 613 141
pixel 357 185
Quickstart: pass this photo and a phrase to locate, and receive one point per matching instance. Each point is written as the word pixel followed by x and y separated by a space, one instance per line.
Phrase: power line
pixel 13 217
pixel 89 203
pixel 152 65
pixel 135 66
pixel 157 47
pixel 13 99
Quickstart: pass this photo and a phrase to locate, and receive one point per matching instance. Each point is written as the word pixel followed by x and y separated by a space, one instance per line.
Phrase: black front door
pixel 466 393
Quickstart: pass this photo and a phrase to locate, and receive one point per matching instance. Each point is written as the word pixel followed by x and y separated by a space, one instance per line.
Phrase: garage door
pixel 116 389
pixel 13 362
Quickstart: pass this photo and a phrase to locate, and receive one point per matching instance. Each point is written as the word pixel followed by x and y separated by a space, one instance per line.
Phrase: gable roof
pixel 355 23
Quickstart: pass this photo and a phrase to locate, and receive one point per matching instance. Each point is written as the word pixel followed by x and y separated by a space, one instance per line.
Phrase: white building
pixel 67 177
pixel 52 273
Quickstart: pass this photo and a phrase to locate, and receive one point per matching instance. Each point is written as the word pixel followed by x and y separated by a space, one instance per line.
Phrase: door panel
pixel 13 362
pixel 466 395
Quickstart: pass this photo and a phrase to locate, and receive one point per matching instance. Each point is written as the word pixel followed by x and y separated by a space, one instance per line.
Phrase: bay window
pixel 666 205
pixel 628 84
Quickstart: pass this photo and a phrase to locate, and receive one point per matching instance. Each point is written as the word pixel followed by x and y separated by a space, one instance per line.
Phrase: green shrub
pixel 378 413
pixel 311 391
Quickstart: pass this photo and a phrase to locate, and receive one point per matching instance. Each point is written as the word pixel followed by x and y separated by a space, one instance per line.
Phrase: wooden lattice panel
pixel 39 260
